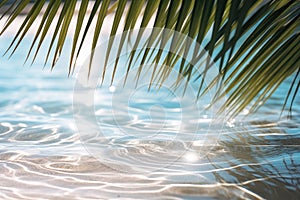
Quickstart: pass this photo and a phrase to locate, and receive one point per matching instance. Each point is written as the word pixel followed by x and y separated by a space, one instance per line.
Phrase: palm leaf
pixel 253 43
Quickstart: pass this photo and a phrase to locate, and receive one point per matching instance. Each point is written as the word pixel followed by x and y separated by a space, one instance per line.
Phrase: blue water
pixel 42 155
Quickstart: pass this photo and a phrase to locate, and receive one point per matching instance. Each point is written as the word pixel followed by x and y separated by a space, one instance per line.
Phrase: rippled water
pixel 42 156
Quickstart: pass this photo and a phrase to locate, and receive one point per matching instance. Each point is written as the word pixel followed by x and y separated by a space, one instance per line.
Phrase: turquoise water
pixel 42 155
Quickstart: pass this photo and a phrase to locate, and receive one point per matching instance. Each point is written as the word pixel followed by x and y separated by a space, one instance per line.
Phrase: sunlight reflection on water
pixel 41 155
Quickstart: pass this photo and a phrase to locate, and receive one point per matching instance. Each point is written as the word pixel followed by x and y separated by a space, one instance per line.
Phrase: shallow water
pixel 42 155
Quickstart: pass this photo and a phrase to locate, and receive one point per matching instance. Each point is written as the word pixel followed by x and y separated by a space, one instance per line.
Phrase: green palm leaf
pixel 255 44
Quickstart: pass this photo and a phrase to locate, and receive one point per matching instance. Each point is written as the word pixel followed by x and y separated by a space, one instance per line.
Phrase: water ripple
pixel 42 157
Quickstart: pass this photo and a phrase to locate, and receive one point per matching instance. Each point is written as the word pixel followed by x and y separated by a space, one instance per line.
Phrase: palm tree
pixel 254 43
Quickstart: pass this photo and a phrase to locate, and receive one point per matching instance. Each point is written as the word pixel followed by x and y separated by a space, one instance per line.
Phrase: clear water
pixel 42 156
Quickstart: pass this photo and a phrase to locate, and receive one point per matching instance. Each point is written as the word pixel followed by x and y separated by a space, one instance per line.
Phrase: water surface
pixel 42 156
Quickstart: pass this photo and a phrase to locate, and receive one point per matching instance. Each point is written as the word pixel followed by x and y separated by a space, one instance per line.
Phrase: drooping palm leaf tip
pixel 255 44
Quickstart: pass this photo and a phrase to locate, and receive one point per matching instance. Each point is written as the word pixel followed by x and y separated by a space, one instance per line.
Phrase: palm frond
pixel 255 44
